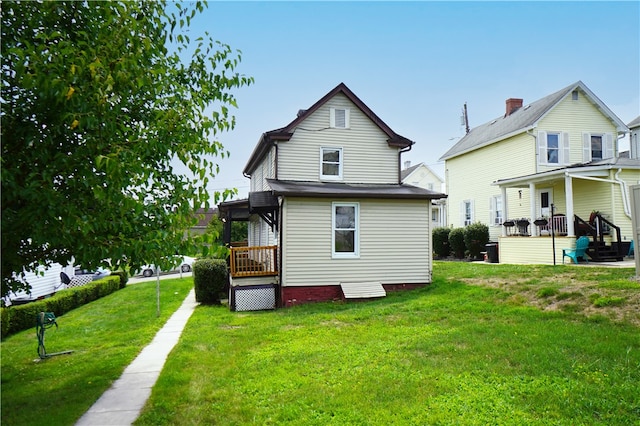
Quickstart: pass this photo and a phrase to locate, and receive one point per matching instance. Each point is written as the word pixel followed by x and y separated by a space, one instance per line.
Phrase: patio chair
pixel 582 244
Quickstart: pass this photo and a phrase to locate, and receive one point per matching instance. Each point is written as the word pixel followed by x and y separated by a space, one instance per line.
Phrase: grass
pixel 484 344
pixel 458 352
pixel 105 335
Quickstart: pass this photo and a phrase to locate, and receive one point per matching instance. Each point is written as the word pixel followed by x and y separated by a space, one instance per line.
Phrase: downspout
pixel 625 197
pixel 402 151
pixel 535 145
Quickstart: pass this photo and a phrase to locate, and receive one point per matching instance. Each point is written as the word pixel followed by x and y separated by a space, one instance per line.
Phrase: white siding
pixel 367 156
pixel 394 243
pixel 265 170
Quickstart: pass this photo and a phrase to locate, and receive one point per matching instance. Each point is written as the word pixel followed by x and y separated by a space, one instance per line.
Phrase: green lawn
pixel 484 344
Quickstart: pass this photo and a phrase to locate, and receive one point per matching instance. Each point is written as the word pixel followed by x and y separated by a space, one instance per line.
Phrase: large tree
pixel 100 100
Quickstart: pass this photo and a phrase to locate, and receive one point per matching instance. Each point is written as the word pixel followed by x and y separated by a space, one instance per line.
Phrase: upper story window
pixel 339 118
pixel 346 228
pixel 597 146
pixel 553 148
pixel 330 163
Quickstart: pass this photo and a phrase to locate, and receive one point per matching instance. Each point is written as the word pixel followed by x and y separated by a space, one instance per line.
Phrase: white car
pixel 184 266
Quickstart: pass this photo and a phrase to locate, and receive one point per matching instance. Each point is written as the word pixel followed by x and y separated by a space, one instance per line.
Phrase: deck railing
pixel 254 261
pixel 559 226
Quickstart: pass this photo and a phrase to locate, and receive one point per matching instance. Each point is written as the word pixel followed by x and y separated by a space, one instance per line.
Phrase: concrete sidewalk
pixel 122 402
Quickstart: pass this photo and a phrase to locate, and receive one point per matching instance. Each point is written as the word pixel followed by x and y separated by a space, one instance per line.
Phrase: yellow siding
pixel 367 156
pixel 532 250
pixel 469 177
pixel 394 243
pixel 576 117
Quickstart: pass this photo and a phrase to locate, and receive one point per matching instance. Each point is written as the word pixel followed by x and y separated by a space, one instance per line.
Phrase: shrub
pixel 124 277
pixel 209 278
pixel 476 237
pixel 441 246
pixel 456 242
pixel 21 317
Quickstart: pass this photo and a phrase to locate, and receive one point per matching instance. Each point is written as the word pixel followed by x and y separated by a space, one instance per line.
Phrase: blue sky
pixel 415 64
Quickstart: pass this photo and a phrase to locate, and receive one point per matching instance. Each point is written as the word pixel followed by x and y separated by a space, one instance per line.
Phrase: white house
pixel 423 176
pixel 329 217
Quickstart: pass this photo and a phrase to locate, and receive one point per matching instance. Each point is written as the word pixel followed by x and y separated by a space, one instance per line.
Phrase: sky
pixel 415 64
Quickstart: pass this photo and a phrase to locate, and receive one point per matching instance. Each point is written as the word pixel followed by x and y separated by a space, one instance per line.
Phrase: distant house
pixel 329 217
pixel 634 139
pixel 204 218
pixel 557 156
pixel 423 176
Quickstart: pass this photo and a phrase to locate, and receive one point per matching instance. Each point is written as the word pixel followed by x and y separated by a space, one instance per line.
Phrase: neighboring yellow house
pixel 329 217
pixel 423 176
pixel 557 156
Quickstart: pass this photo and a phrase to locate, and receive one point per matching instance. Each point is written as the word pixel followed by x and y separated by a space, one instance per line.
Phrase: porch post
pixel 568 190
pixel 505 209
pixel 532 209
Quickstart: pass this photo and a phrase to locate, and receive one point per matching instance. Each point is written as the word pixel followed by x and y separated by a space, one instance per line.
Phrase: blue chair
pixel 631 250
pixel 582 244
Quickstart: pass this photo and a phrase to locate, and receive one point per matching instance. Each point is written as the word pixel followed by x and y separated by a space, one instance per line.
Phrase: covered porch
pixel 556 207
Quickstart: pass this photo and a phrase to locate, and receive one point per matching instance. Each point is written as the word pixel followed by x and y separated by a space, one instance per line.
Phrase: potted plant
pixel 541 221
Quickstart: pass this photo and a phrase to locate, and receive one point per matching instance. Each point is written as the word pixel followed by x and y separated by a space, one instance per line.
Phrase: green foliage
pixel 441 246
pixel 547 292
pixel 600 302
pixel 21 317
pixel 100 101
pixel 456 242
pixel 124 277
pixel 210 277
pixel 239 230
pixel 476 237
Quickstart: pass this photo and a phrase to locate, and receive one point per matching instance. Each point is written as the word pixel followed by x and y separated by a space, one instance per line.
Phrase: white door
pixel 545 199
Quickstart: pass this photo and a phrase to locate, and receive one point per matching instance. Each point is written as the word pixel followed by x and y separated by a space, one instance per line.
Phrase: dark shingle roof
pixel 523 119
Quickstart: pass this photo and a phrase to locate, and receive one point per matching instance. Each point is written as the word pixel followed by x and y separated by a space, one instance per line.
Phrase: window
pixel 495 210
pixel 466 212
pixel 345 238
pixel 339 118
pixel 596 146
pixel 553 148
pixel 331 163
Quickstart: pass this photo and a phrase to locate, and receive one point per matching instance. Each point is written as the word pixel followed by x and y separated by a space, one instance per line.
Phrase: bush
pixel 124 277
pixel 441 246
pixel 209 278
pixel 476 237
pixel 456 242
pixel 22 317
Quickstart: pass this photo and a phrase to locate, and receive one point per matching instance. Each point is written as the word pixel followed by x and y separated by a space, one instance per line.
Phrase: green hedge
pixel 476 237
pixel 456 242
pixel 209 279
pixel 22 317
pixel 441 246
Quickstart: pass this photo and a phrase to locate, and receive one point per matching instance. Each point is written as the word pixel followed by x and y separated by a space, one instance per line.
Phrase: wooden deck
pixel 254 261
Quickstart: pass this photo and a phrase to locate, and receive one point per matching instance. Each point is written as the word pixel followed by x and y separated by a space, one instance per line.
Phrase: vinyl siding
pixel 534 250
pixel 394 243
pixel 575 118
pixel 367 158
pixel 469 177
pixel 265 170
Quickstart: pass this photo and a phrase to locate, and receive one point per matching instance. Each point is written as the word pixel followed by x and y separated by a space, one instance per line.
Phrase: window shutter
pixel 586 147
pixel 607 145
pixel 542 147
pixel 462 213
pixel 492 210
pixel 347 118
pixel 565 154
pixel 332 117
pixel 473 212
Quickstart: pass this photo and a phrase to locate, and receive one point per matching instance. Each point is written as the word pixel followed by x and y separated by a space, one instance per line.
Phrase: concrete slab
pixel 122 403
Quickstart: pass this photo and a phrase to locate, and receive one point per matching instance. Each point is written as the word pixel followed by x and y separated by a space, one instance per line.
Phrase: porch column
pixel 505 209
pixel 568 189
pixel 532 209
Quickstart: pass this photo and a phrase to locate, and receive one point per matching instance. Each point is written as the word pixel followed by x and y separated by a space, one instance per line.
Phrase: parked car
pixel 184 266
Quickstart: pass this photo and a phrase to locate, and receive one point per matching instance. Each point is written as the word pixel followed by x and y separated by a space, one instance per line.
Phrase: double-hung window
pixel 553 148
pixel 596 146
pixel 330 163
pixel 345 238
pixel 466 212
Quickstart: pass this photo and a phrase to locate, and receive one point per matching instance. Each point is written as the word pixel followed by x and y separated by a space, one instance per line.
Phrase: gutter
pixel 402 151
pixel 623 188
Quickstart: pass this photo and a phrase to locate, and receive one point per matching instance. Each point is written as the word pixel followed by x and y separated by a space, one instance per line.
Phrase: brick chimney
pixel 513 105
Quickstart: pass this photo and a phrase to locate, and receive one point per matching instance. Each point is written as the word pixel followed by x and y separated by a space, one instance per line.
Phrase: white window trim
pixel 607 146
pixel 347 118
pixel 463 213
pixel 563 148
pixel 493 210
pixel 340 163
pixel 356 238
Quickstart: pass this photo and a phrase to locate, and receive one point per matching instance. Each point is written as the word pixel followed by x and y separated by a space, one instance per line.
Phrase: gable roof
pixel 407 172
pixel 523 119
pixel 634 123
pixel 285 133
